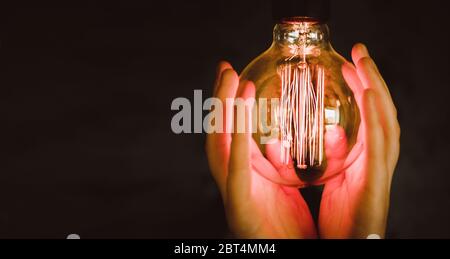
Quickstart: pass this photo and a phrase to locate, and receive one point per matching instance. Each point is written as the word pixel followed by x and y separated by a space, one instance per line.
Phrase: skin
pixel 354 205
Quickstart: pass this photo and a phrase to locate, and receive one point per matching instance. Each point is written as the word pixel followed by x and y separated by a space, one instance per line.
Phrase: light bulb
pixel 309 109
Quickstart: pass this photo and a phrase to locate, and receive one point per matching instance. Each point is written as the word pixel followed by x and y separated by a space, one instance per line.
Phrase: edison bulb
pixel 304 104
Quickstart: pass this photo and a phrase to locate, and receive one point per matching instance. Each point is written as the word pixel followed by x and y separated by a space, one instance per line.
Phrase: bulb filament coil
pixel 301 115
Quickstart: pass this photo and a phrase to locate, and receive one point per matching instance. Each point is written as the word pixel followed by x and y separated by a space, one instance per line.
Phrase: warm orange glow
pixel 301 115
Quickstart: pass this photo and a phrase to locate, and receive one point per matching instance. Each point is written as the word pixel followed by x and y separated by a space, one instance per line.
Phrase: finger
pixel 285 169
pixel 372 79
pixel 361 54
pixel 226 92
pixel 241 138
pixel 223 65
pixel 355 84
pixel 373 136
pixel 368 72
pixel 359 51
pixel 218 144
pixel 335 142
pixel 352 79
pixel 273 153
pixel 336 149
pixel 239 173
pixel 266 168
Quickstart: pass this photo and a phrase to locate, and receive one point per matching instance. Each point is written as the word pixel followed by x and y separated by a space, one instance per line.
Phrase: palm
pixel 340 199
pixel 271 210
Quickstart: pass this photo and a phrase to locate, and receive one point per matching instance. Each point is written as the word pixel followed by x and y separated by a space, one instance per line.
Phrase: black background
pixel 86 91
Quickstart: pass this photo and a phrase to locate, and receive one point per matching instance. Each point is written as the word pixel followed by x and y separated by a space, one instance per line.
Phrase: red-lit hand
pixel 255 207
pixel 356 204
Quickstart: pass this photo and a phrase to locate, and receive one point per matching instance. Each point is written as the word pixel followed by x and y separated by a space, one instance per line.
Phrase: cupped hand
pixel 255 207
pixel 356 203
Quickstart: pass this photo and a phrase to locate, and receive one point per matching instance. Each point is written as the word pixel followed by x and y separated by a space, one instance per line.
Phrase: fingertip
pixel 359 51
pixel 229 76
pixel 368 72
pixel 229 72
pixel 335 142
pixel 364 62
pixel 352 79
pixel 247 89
pixel 222 66
pixel 227 86
pixel 250 89
pixel 284 165
pixel 273 152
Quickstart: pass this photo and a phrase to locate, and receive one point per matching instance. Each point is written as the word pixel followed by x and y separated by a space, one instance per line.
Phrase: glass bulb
pixel 304 104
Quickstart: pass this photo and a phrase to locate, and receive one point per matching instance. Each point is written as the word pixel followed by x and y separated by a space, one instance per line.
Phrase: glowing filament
pixel 301 115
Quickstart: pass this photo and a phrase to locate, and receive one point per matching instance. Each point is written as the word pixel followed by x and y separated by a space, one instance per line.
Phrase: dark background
pixel 86 91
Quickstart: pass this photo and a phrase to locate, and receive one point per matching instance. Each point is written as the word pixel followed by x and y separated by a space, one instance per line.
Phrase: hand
pixel 356 204
pixel 255 207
